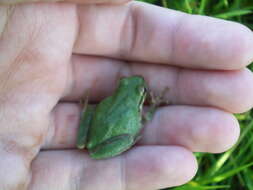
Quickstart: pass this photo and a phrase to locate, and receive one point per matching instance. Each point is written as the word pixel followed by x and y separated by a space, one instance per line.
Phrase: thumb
pixel 13 2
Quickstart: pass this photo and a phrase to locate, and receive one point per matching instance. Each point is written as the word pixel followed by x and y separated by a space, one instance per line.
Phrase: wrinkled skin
pixel 51 54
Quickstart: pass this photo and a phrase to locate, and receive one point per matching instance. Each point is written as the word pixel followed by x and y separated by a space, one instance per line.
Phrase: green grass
pixel 236 10
pixel 233 169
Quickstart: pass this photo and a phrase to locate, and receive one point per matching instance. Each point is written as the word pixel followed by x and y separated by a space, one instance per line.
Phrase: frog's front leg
pixel 85 123
pixel 112 147
pixel 156 101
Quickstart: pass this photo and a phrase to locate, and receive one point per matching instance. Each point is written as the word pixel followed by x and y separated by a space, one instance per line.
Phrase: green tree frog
pixel 114 125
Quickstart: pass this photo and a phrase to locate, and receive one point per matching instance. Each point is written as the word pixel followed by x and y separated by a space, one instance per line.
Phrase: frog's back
pixel 116 115
pixel 108 122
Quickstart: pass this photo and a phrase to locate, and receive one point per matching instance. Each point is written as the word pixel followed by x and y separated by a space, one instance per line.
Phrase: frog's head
pixel 135 85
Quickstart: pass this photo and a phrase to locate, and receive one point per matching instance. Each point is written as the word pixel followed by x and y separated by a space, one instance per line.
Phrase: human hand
pixel 51 54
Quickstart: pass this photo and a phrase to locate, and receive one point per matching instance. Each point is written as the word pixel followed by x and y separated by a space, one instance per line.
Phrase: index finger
pixel 149 33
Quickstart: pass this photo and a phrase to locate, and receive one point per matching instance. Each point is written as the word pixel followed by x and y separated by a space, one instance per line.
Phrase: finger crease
pixel 78 27
pixel 176 29
pixel 128 33
pixel 123 172
pixel 176 86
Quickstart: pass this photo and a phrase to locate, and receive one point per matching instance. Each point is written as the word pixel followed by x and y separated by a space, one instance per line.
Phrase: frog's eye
pixel 141 89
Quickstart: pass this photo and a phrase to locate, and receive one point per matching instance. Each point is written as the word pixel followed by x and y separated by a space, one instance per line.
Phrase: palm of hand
pixel 52 53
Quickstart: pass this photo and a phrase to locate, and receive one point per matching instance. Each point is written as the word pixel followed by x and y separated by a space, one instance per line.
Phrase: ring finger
pixel 200 129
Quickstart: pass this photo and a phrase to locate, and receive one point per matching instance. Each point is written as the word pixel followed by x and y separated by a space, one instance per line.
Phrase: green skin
pixel 115 124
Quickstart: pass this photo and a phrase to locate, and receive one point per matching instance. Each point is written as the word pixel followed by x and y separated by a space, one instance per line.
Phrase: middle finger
pixel 228 90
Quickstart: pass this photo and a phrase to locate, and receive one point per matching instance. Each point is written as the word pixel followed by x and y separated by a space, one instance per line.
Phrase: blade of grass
pixel 195 186
pixel 248 177
pixel 220 6
pixel 234 13
pixel 235 165
pixel 202 6
pixel 225 2
pixel 244 149
pixel 226 175
pixel 219 163
pixel 165 4
pixel 188 6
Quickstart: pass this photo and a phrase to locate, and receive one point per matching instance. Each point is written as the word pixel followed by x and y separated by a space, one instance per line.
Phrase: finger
pixel 229 90
pixel 197 128
pixel 149 33
pixel 14 2
pixel 200 129
pixel 75 170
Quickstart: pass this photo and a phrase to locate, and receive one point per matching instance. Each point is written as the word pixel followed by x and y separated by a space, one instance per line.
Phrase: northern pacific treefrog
pixel 114 125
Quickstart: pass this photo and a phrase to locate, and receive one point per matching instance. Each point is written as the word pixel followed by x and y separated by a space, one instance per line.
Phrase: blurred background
pixel 233 169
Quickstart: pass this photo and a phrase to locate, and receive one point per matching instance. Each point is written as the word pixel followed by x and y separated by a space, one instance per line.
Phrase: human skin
pixel 52 54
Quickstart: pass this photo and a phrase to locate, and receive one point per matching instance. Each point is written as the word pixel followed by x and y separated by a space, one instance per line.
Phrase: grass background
pixel 234 168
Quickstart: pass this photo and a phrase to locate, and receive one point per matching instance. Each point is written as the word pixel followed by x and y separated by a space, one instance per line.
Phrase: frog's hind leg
pixel 112 147
pixel 85 122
